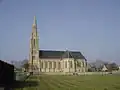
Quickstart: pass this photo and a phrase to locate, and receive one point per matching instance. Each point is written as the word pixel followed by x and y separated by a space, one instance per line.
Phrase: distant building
pixel 119 67
pixel 104 68
pixel 52 60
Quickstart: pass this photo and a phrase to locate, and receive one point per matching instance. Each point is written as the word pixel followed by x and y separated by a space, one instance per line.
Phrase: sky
pixel 89 26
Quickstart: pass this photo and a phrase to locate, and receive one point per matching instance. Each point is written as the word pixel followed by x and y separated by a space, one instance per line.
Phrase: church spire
pixel 34 21
pixel 34 45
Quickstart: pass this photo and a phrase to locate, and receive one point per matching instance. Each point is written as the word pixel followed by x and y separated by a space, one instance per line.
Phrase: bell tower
pixel 34 63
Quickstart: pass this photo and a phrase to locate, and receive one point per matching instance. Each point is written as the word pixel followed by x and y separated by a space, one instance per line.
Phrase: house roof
pixel 60 54
pixel 2 62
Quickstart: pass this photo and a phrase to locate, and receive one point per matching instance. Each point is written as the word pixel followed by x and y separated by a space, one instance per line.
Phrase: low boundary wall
pixel 83 73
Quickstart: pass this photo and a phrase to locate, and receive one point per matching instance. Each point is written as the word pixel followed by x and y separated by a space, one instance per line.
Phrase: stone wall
pixel 57 65
pixel 86 73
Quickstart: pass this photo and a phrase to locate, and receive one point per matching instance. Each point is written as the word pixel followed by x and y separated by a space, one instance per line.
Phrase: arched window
pixel 54 64
pixel 83 64
pixel 65 64
pixel 50 63
pixel 59 65
pixel 46 65
pixel 41 64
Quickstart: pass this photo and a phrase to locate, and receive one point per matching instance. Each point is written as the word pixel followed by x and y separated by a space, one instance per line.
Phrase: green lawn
pixel 91 82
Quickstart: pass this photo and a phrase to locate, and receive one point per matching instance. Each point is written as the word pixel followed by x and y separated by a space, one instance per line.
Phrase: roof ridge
pixel 59 50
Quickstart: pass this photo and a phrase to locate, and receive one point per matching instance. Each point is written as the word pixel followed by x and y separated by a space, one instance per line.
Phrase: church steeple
pixel 34 43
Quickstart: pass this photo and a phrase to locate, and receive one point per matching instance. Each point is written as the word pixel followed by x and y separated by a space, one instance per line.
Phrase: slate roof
pixel 60 54
pixel 67 54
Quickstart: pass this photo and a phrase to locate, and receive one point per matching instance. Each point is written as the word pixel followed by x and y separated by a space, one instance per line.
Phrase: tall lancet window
pixel 59 65
pixel 34 42
pixel 65 64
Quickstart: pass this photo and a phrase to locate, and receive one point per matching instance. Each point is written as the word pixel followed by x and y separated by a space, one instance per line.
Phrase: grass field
pixel 91 82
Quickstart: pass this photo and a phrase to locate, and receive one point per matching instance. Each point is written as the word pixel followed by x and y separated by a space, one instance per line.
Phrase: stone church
pixel 52 60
